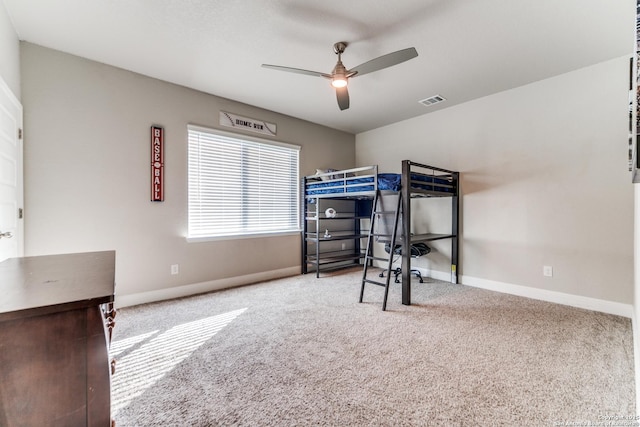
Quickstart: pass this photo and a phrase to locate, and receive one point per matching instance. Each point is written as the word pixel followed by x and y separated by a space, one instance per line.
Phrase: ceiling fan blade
pixel 297 70
pixel 343 97
pixel 385 61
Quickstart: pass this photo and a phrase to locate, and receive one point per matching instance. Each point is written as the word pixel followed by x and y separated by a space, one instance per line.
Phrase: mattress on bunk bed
pixel 386 181
pixel 389 181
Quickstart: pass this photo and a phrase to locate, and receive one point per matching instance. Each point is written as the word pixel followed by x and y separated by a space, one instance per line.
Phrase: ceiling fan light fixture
pixel 339 81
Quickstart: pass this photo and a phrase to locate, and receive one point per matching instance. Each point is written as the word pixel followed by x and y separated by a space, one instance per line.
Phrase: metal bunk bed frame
pixel 415 183
pixel 408 192
pixel 347 188
pixel 443 183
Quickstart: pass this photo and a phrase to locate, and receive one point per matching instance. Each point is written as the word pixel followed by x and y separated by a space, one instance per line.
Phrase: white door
pixel 11 189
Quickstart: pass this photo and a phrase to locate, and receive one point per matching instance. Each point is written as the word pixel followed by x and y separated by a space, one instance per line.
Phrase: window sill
pixel 242 236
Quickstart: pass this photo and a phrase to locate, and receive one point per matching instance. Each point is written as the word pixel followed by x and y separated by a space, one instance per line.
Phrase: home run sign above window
pixel 244 123
pixel 157 164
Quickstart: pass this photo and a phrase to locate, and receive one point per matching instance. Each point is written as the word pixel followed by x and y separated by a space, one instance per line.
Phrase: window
pixel 240 185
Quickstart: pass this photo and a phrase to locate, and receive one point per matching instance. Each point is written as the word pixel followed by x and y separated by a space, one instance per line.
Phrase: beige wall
pixel 545 181
pixel 9 53
pixel 87 173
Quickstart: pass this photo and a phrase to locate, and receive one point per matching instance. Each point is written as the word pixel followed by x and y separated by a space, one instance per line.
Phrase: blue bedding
pixel 352 185
pixel 386 181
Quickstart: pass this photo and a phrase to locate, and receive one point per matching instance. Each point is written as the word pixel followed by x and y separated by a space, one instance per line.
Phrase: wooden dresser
pixel 56 316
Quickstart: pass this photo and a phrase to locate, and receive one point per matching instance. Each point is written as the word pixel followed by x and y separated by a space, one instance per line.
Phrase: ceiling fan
pixel 340 75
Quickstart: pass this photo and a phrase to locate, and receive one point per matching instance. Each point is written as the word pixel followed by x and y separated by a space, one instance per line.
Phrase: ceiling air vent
pixel 432 100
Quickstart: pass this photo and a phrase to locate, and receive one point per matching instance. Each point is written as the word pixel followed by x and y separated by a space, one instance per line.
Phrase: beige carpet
pixel 302 351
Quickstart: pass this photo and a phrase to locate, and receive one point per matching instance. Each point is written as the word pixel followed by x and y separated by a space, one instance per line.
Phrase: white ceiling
pixel 467 48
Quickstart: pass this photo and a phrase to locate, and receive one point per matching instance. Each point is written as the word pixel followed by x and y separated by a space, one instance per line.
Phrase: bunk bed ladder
pixel 391 238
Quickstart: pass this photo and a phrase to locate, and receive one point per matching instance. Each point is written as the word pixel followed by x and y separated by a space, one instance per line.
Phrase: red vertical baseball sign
pixel 157 164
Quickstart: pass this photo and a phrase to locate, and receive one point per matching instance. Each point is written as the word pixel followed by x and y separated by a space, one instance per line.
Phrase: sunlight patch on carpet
pixel 119 347
pixel 157 354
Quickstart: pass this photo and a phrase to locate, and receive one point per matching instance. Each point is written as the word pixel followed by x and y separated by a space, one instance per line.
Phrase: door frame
pixel 10 103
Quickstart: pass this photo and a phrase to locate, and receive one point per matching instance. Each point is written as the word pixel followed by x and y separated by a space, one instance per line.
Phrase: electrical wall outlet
pixel 344 246
pixel 547 271
pixel 175 269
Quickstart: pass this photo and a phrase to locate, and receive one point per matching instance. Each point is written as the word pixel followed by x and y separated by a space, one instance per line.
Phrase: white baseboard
pixel 636 354
pixel 610 307
pixel 604 306
pixel 434 274
pixel 203 287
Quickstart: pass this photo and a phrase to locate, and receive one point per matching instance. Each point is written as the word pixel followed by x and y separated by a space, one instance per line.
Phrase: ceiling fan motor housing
pixel 340 47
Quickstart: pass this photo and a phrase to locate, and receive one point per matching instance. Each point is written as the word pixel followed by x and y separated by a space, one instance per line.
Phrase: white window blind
pixel 241 186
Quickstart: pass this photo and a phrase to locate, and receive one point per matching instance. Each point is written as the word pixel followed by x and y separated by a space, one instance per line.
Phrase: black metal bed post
pixel 455 219
pixel 356 228
pixel 303 218
pixel 406 232
pixel 317 237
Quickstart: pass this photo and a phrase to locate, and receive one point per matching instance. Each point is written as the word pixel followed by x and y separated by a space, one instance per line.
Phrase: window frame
pixel 252 234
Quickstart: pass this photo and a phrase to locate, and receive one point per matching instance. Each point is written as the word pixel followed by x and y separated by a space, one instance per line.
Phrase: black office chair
pixel 417 250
